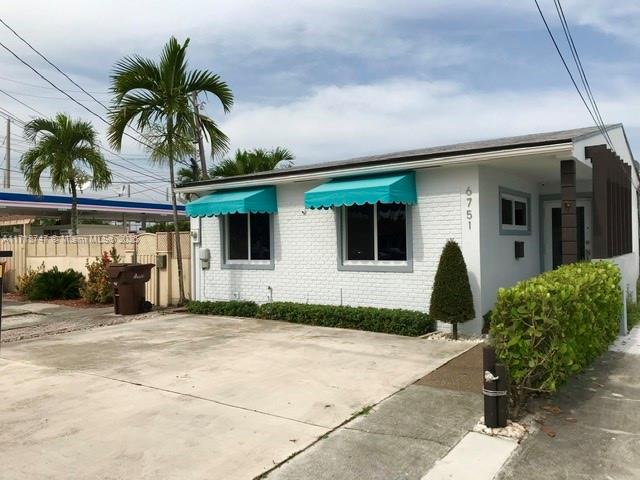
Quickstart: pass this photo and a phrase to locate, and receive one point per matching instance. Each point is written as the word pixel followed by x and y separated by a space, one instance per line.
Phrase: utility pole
pixel 196 121
pixel 7 158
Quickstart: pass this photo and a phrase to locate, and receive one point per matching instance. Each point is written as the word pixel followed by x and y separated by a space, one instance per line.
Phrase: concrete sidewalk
pixel 597 429
pixel 401 438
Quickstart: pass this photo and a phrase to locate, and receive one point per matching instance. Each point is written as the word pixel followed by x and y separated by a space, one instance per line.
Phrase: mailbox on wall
pixel 519 249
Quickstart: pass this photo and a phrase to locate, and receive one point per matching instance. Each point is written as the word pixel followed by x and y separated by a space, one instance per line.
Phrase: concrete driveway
pixel 181 396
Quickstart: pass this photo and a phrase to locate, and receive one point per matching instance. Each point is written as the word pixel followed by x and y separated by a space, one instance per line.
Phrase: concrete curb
pixel 475 457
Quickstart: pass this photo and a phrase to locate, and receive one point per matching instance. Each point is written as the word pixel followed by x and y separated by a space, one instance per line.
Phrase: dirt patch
pixel 28 326
pixel 79 303
pixel 463 373
pixel 75 302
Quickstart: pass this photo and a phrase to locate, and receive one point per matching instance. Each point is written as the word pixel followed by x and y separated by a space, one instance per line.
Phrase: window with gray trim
pixel 514 212
pixel 375 236
pixel 247 239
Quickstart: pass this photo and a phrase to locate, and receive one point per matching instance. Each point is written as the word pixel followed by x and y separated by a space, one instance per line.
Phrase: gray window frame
pixel 249 264
pixel 376 266
pixel 513 230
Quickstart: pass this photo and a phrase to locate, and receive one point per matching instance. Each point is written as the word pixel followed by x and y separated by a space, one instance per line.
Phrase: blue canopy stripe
pixel 397 187
pixel 245 200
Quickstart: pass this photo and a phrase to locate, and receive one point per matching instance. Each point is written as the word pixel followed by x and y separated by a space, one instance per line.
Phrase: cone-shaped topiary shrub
pixel 451 299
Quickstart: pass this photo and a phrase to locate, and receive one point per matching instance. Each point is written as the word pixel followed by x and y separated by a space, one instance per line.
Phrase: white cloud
pixel 334 121
pixel 340 122
pixel 620 18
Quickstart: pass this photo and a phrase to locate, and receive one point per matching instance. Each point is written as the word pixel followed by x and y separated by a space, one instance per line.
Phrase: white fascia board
pixel 564 150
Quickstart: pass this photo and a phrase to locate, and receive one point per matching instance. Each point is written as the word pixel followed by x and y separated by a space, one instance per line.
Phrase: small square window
pixel 514 213
pixel 237 237
pixel 375 237
pixel 360 230
pixel 507 211
pixel 247 240
pixel 520 213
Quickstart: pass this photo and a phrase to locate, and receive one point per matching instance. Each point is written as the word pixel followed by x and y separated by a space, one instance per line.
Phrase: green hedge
pixel 549 327
pixel 233 308
pixel 399 322
pixel 385 320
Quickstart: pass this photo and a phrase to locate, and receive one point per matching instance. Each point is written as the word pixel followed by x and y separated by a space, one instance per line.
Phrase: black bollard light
pixel 489 379
pixel 495 390
pixel 501 395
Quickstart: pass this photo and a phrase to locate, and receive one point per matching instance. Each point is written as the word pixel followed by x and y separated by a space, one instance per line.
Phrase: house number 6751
pixel 468 192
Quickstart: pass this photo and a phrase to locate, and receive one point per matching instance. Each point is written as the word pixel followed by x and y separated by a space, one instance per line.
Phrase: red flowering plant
pixel 97 288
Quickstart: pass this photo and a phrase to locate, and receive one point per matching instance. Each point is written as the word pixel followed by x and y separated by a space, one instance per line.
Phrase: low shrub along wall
pixel 233 308
pixel 549 327
pixel 384 320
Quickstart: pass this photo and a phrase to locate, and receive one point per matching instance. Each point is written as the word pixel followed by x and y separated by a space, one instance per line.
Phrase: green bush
pixel 550 327
pixel 97 288
pixel 451 298
pixel 233 308
pixel 400 322
pixel 55 285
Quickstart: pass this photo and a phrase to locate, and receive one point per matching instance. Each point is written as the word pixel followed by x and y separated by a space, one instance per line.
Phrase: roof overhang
pixel 561 150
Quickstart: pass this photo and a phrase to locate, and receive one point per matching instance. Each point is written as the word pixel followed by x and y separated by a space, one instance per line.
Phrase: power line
pixel 37 52
pixel 85 107
pixel 114 162
pixel 41 55
pixel 45 87
pixel 99 146
pixel 73 99
pixel 19 175
pixel 566 66
pixel 583 75
pixel 22 103
pixel 45 97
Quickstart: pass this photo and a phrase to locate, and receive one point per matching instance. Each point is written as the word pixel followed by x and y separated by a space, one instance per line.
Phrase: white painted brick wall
pixel 306 252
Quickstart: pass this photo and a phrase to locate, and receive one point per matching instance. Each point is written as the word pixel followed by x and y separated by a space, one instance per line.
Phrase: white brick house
pixel 488 196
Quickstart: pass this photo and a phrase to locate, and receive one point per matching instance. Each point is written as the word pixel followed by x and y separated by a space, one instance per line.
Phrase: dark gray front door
pixel 556 235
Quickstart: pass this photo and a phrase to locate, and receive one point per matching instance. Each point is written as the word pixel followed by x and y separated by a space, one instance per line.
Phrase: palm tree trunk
pixel 455 330
pixel 74 208
pixel 176 229
pixel 198 128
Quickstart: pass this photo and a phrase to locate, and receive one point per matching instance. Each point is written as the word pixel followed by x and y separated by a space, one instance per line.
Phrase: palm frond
pixel 252 161
pixel 209 83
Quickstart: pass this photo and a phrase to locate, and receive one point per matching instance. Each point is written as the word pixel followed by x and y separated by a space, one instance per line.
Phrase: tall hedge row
pixel 550 327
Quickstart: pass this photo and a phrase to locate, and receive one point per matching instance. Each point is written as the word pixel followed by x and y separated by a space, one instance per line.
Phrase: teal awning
pixel 245 200
pixel 390 188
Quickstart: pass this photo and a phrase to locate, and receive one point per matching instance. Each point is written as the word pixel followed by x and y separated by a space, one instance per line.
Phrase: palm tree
pixel 252 161
pixel 69 150
pixel 189 174
pixel 155 99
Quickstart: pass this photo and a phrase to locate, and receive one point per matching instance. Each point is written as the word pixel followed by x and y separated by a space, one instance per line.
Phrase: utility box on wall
pixel 519 249
pixel 161 261
pixel 205 258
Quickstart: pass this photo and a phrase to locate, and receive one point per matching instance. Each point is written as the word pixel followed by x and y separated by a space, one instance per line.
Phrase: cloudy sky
pixel 333 79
